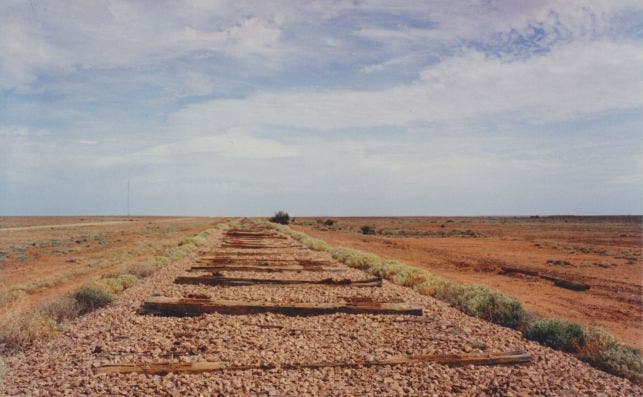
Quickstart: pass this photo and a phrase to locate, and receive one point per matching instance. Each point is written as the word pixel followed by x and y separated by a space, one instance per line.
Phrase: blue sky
pixel 335 108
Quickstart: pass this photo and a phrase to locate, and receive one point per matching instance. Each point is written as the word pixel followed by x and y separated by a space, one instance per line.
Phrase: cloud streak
pixel 597 77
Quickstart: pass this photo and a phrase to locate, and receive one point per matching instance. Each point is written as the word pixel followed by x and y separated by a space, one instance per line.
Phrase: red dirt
pixel 602 252
pixel 36 249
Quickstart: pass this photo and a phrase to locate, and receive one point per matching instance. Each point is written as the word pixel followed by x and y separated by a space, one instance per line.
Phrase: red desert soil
pixel 50 256
pixel 604 252
pixel 78 362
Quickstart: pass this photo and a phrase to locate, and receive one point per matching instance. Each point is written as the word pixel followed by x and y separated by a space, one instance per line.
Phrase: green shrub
pixel 197 241
pixel 557 334
pixel 329 223
pixel 115 284
pixel 603 351
pixel 91 298
pixel 367 229
pixel 479 301
pixel 280 217
pixel 316 244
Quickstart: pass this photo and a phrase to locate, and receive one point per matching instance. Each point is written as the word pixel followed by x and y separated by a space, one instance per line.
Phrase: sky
pixel 510 107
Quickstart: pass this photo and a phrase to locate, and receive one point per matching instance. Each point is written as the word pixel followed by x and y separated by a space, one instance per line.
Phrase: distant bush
pixel 91 298
pixel 557 334
pixel 280 217
pixel 329 222
pixel 367 229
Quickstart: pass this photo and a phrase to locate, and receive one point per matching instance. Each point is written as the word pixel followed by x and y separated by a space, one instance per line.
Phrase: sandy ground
pixel 118 334
pixel 49 256
pixel 83 224
pixel 604 252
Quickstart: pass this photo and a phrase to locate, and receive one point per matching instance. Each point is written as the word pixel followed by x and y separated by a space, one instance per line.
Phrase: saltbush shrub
pixel 479 301
pixel 194 240
pixel 603 351
pixel 280 217
pixel 557 334
pixel 62 309
pixel 115 284
pixel 91 298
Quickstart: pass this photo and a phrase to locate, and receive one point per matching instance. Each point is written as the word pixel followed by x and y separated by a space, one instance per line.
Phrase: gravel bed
pixel 118 334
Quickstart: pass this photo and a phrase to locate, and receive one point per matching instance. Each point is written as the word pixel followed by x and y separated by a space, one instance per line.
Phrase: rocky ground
pixel 118 334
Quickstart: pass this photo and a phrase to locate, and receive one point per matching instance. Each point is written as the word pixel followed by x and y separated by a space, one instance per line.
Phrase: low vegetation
pixel 557 334
pixel 594 346
pixel 3 370
pixel 91 298
pixel 22 330
pixel 281 217
pixel 367 229
pixel 603 351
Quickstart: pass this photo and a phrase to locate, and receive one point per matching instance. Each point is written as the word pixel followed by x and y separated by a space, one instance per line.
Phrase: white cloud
pixel 570 82
pixel 55 38
pixel 499 20
pixel 228 145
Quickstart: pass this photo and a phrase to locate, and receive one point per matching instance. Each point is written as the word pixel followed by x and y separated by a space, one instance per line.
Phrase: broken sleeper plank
pixel 509 358
pixel 260 268
pixel 187 306
pixel 217 280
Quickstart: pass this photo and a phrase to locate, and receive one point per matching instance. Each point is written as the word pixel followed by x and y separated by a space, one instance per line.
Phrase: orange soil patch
pixel 76 251
pixel 604 252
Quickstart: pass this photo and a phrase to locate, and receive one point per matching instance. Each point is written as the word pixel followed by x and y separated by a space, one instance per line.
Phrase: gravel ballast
pixel 119 334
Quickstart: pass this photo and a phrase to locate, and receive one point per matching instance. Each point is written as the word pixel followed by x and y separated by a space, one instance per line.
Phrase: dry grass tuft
pixel 3 370
pixel 115 284
pixel 20 331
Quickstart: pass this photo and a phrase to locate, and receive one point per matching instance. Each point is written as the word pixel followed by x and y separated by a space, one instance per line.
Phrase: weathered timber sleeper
pixel 259 268
pixel 509 358
pixel 187 306
pixel 217 280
